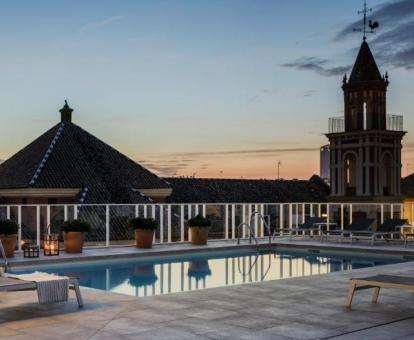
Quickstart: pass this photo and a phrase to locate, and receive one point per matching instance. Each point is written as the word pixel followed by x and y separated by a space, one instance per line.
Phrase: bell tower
pixel 365 144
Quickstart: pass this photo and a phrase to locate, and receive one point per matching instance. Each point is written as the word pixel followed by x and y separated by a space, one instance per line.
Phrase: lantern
pixel 51 245
pixel 30 250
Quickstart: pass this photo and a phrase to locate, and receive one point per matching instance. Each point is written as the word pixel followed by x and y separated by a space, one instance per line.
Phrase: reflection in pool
pixel 178 273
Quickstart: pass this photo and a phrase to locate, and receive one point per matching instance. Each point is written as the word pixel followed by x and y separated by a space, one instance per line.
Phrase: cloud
pixel 320 66
pixel 246 152
pixel 389 14
pixel 394 41
pixel 101 23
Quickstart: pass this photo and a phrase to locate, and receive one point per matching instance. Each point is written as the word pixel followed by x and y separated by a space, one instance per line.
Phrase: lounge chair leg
pixel 375 294
pixel 351 292
pixel 78 294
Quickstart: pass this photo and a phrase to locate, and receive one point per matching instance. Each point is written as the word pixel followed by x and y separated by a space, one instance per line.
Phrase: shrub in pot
pixel 144 231
pixel 74 235
pixel 198 228
pixel 8 236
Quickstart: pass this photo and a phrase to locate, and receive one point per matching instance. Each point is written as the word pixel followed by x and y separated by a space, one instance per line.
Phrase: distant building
pixel 365 144
pixel 218 190
pixel 68 165
pixel 324 159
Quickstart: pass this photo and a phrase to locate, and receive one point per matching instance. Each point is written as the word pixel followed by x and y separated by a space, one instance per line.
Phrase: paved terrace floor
pixel 299 308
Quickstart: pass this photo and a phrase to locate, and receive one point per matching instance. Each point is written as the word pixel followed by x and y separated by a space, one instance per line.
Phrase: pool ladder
pixel 249 227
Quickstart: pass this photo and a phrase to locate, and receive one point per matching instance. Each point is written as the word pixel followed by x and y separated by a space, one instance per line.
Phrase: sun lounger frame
pixel 377 282
pixel 13 285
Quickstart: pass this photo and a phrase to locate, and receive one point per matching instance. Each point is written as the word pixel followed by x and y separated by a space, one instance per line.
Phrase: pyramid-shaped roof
pixel 67 156
pixel 365 67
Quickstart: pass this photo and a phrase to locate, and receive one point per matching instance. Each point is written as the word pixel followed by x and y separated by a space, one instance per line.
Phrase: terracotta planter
pixel 144 237
pixel 9 244
pixel 199 236
pixel 73 241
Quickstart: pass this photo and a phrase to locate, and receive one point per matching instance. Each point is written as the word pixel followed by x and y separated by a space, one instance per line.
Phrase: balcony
pixel 394 123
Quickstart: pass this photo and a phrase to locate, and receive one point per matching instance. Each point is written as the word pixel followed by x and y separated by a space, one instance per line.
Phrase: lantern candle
pixel 51 245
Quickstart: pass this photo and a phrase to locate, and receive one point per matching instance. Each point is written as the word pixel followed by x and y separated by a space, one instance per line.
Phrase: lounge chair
pixel 358 225
pixel 8 284
pixel 377 282
pixel 387 230
pixel 310 226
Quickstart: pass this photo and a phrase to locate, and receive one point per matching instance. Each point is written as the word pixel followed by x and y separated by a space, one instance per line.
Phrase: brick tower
pixel 365 144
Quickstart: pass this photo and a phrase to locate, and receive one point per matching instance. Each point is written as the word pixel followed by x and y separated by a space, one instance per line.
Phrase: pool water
pixel 180 273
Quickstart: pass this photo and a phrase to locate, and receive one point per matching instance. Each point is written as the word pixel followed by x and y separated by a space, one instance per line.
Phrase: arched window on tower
pixel 350 174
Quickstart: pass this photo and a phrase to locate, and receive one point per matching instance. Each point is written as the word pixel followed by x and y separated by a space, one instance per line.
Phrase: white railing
pixel 393 123
pixel 110 227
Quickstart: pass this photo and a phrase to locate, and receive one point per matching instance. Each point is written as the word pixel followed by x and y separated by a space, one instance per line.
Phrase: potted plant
pixel 144 231
pixel 8 236
pixel 74 235
pixel 198 228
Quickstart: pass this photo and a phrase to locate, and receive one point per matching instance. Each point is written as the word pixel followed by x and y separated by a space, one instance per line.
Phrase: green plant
pixel 199 221
pixel 143 223
pixel 76 225
pixel 8 227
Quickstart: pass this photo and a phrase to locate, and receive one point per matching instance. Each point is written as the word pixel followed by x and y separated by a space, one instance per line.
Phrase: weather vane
pixel 367 27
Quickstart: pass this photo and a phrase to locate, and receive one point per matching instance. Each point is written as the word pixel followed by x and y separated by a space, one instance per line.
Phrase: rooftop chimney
pixel 66 113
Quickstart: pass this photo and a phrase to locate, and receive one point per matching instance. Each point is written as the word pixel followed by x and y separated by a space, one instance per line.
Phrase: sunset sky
pixel 211 88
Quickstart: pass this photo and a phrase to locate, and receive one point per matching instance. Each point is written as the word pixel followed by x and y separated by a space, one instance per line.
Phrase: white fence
pixel 110 221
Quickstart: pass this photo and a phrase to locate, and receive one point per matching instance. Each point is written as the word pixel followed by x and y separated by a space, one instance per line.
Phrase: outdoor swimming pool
pixel 180 273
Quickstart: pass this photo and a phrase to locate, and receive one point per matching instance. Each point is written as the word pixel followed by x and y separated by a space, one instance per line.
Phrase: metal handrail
pixel 251 234
pixel 260 215
pixel 3 254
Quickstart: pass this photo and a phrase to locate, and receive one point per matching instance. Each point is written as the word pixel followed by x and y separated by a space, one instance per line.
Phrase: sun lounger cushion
pixel 50 288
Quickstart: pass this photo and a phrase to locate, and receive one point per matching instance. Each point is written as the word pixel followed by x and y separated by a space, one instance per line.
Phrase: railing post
pixel 342 216
pixel 204 210
pixel 107 226
pixel 48 215
pixel 226 221
pixel 19 222
pixel 169 223
pixel 161 223
pixel 303 212
pixel 196 210
pixel 182 221
pixel 145 211
pixel 38 225
pixel 350 213
pixel 261 221
pixel 8 212
pixel 136 210
pixel 382 213
pixel 290 215
pixel 319 210
pixel 189 208
pixel 233 221
pixel 401 210
pixel 243 220
pixel 65 213
pixel 392 211
pixel 256 219
pixel 328 217
pixel 75 212
pixel 281 217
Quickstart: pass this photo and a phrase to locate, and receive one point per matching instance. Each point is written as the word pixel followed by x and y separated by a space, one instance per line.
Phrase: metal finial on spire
pixel 368 26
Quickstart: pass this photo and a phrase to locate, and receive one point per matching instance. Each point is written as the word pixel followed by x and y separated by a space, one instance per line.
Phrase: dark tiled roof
pixel 203 190
pixel 407 185
pixel 78 160
pixel 365 67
